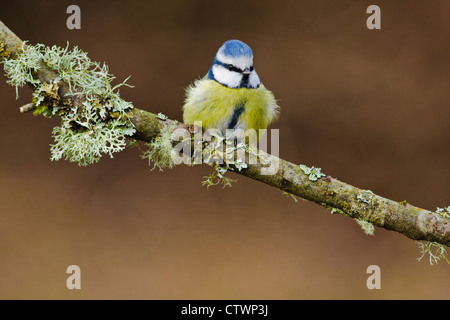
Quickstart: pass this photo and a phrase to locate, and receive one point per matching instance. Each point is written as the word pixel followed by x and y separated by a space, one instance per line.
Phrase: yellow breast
pixel 214 105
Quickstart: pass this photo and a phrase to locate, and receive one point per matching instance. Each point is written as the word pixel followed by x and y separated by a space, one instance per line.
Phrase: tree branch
pixel 339 197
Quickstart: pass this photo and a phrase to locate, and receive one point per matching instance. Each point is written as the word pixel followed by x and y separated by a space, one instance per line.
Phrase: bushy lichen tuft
pixel 366 226
pixel 100 120
pixel 21 69
pixel 159 153
pixel 87 147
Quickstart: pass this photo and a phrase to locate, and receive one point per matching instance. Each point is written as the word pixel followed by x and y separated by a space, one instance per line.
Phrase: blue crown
pixel 236 48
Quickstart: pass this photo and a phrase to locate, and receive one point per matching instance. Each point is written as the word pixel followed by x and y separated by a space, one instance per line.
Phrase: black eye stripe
pixel 231 67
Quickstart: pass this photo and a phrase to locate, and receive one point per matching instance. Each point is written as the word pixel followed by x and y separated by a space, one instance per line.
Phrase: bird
pixel 230 96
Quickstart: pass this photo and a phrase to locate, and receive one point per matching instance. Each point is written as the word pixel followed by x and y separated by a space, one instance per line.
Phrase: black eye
pixel 230 67
pixel 251 68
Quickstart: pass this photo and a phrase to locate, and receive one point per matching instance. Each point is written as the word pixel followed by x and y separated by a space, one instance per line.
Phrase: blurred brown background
pixel 369 107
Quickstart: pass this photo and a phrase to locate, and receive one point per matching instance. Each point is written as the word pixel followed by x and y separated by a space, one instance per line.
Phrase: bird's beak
pixel 246 71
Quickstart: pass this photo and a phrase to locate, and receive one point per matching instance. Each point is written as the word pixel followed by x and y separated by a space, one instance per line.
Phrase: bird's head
pixel 233 66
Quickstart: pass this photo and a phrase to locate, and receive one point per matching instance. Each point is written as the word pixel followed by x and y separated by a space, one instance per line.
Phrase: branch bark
pixel 339 197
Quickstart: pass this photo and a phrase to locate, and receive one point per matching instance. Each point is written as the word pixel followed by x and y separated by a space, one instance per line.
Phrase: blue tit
pixel 230 95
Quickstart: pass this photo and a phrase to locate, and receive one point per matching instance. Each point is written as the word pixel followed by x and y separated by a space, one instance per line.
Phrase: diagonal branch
pixel 339 197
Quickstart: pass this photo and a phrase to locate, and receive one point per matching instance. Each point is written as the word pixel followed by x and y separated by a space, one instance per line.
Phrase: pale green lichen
pixel 99 125
pixel 445 212
pixel 435 251
pixel 366 197
pixel 240 164
pixel 366 226
pixel 162 116
pixel 213 152
pixel 218 177
pixel 159 153
pixel 225 155
pixel 21 69
pixel 87 147
pixel 313 173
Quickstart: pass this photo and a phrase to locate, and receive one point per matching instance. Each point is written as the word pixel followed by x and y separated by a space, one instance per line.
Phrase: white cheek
pixel 224 76
pixel 253 80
